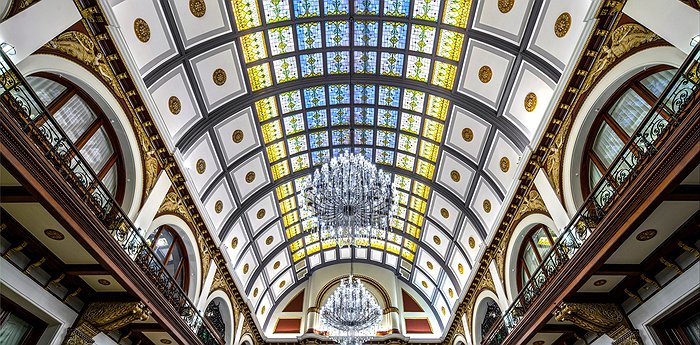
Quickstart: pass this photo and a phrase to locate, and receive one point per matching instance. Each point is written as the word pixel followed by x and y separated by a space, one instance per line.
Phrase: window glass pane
pixel 541 241
pixel 46 89
pixel 74 117
pixel 607 144
pixel 97 150
pixel 656 83
pixel 174 260
pixel 110 179
pixel 163 244
pixel 629 111
pixel 14 330
pixel 594 174
pixel 530 259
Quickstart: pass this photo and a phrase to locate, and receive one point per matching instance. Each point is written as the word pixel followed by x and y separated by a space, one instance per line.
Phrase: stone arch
pixel 227 312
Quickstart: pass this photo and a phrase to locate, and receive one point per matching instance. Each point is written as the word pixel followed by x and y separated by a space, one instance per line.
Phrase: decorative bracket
pixel 605 318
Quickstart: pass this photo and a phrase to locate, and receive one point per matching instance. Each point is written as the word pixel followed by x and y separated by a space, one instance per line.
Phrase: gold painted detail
pixel 198 8
pixel 605 318
pixel 444 213
pixel 105 317
pixel 646 235
pixel 282 283
pixel 260 214
pixel 455 176
pixel 246 267
pixel 429 264
pixel 505 5
pixel 504 164
pixel 485 74
pixel 173 204
pixel 219 76
pixel 437 240
pixel 600 282
pixel 450 292
pixel 530 102
pixel 234 243
pixel 487 205
pixel 151 164
pixel 141 29
pixel 460 268
pixel 562 24
pixel 54 234
pixel 255 292
pixel 269 239
pixel 218 206
pixel 276 265
pixel 174 105
pixel 425 285
pixel 201 166
pixel 250 177
pixel 472 242
pixel 467 134
pixel 237 136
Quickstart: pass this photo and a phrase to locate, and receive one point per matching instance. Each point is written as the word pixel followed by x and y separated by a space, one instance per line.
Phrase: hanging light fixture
pixel 351 314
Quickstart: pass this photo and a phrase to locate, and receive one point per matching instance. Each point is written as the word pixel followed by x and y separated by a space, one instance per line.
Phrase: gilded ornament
pixel 218 206
pixel 450 292
pixel 237 136
pixel 166 341
pixel 444 311
pixel 262 311
pixel 562 25
pixel 425 285
pixel 283 283
pixel 54 234
pixel 276 265
pixel 460 268
pixel 219 76
pixel 250 177
pixel 198 8
pixel 234 243
pixel 201 166
pixel 268 240
pixel 437 240
pixel 429 264
pixel 530 102
pixel 504 164
pixel 455 175
pixel 600 282
pixel 444 213
pixel 104 282
pixel 261 213
pixel 245 268
pixel 539 342
pixel 255 292
pixel 174 105
pixel 505 5
pixel 472 242
pixel 485 74
pixel 646 235
pixel 467 134
pixel 141 29
pixel 487 206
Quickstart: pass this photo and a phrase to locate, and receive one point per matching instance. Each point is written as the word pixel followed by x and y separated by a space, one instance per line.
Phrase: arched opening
pixel 87 127
pixel 214 317
pixel 534 247
pixel 493 313
pixel 170 250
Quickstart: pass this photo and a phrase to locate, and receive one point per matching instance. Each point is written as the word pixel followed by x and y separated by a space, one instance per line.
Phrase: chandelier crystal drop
pixel 351 314
pixel 349 201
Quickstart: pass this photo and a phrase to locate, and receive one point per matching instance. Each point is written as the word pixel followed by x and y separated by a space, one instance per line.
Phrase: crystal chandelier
pixel 351 314
pixel 349 201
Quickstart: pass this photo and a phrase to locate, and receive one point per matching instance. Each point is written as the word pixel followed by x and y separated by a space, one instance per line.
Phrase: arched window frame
pixel 183 267
pixel 101 122
pixel 528 242
pixel 493 313
pixel 604 117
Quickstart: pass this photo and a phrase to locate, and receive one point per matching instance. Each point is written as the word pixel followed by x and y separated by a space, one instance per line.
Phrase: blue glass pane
pixel 319 157
pixel 339 94
pixel 364 93
pixel 386 139
pixel 385 157
pixel 367 6
pixel 338 62
pixel 306 8
pixel 297 144
pixel 309 35
pixel 387 118
pixel 337 34
pixel 317 118
pixel 340 116
pixel 364 116
pixel 294 124
pixel 365 152
pixel 315 97
pixel 365 62
pixel 392 64
pixel 340 137
pixel 394 35
pixel 364 136
pixel 389 96
pixel 318 139
pixel 311 65
pixel 335 7
pixel 366 33
pixel 398 8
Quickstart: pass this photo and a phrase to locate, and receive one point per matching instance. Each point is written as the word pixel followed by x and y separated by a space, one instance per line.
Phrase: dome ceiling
pixel 445 95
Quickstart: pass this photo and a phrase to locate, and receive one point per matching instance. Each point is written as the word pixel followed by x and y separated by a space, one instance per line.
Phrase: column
pixel 208 280
pixel 30 29
pixel 153 201
pixel 674 21
pixel 551 200
pixel 500 290
pixel 312 319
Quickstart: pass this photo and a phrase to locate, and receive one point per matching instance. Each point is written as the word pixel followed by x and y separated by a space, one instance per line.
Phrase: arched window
pixel 493 313
pixel 86 126
pixel 170 250
pixel 213 315
pixel 618 119
pixel 535 245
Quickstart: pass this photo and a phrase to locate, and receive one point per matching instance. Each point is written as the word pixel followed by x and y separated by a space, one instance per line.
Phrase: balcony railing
pixel 19 99
pixel 644 144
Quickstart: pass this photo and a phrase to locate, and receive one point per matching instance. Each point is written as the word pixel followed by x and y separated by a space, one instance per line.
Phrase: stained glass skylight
pixel 365 76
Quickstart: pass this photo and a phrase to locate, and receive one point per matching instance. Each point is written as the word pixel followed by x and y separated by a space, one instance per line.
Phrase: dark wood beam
pixel 558 328
pixel 85 270
pixel 591 297
pixel 620 270
pixel 15 194
pixel 685 192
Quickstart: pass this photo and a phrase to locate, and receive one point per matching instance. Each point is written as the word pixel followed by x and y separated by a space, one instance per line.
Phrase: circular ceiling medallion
pixel 201 166
pixel 487 205
pixel 276 265
pixel 425 285
pixel 530 102
pixel 245 268
pixel 444 311
pixel 268 240
pixel 174 105
pixel 455 176
pixel 504 164
pixel 472 242
pixel 234 243
pixel 283 283
pixel 600 282
pixel 237 136
pixel 261 213
pixel 166 341
pixel 54 234
pixel 255 292
pixel 646 235
pixel 429 264
pixel 219 76
pixel 437 240
pixel 218 206
pixel 198 8
pixel 539 342
pixel 142 31
pixel 505 5
pixel 262 311
pixel 250 177
pixel 562 25
pixel 485 74
pixel 451 292
pixel 104 282
pixel 460 268
pixel 444 213
pixel 467 134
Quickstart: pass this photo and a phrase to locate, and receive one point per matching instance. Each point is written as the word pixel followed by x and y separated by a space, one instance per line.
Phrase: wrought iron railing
pixel 20 100
pixel 644 144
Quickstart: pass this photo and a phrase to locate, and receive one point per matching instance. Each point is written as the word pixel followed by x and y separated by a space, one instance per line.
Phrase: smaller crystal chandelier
pixel 349 201
pixel 351 314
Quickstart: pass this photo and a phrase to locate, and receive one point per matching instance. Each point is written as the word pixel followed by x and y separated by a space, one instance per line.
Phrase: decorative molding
pixel 605 318
pixel 104 317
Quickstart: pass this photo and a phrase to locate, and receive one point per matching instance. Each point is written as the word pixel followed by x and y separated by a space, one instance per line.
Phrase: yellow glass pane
pixel 287 205
pixel 428 150
pixel 407 255
pixel 401 197
pixel 246 13
pixel 253 47
pixel 415 218
pixel 290 218
pixel 276 151
pixel 395 238
pixel 425 169
pixel 271 131
pixel 444 75
pixel 311 238
pixel 457 12
pixel 296 245
pixel 362 242
pixel 421 190
pixel 313 248
pixel 328 244
pixel 418 204
pixel 410 245
pixel 377 244
pixel 293 230
pixel 413 230
pixel 438 107
pixel 299 255
pixel 280 170
pixel 266 108
pixel 284 190
pixel 450 44
pixel 260 76
pixel 396 224
pixel 393 248
pixel 433 130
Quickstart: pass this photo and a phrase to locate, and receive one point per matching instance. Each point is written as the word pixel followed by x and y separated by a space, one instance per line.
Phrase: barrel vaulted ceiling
pixel 445 95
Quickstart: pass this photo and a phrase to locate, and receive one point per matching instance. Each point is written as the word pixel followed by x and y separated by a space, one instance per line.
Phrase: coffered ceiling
pixel 444 95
